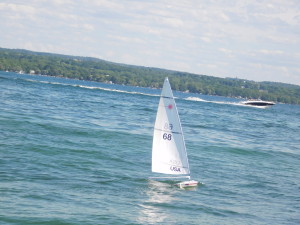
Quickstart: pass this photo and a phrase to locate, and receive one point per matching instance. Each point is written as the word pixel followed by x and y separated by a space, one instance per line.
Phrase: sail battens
pixel 168 131
pixel 167 97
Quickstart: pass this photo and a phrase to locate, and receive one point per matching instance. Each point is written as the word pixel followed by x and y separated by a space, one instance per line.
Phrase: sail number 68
pixel 167 136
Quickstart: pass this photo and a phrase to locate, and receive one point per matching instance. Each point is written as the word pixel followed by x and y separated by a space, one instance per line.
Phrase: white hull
pixel 187 184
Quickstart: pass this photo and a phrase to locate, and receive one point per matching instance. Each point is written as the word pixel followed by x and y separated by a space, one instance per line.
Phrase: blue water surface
pixel 78 152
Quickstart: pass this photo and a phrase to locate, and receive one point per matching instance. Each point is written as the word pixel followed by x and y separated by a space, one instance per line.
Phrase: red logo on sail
pixel 170 106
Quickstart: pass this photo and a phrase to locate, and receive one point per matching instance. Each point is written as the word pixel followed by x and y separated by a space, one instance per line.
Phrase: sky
pixel 249 39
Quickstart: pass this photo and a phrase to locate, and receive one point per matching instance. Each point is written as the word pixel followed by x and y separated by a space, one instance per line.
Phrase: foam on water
pixel 197 99
pixel 94 87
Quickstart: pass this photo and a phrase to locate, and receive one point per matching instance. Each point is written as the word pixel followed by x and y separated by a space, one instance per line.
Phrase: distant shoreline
pixel 92 69
pixel 109 83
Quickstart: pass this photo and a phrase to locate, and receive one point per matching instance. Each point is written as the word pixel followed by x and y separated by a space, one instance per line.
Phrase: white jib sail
pixel 168 150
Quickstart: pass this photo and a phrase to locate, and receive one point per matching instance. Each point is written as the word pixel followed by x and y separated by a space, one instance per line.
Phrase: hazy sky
pixel 252 39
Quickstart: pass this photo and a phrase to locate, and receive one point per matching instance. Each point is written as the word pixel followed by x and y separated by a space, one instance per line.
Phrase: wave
pixel 202 100
pixel 191 98
pixel 196 99
pixel 117 90
pixel 45 82
pixel 93 87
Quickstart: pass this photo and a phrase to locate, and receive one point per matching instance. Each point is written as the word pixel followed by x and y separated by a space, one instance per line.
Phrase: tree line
pixel 92 69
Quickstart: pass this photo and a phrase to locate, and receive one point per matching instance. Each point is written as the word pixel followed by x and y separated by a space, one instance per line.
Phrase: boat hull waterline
pixel 187 184
pixel 258 103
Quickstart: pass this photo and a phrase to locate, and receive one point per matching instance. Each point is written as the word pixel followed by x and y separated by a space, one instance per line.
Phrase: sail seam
pixel 167 97
pixel 173 132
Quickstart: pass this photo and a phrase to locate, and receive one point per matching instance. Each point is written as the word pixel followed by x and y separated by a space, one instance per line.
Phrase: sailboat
pixel 169 154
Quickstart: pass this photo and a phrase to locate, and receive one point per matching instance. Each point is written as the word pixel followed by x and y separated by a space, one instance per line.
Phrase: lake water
pixel 77 152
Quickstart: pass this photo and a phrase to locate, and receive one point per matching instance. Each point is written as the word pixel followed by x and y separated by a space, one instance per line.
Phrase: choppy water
pixel 75 152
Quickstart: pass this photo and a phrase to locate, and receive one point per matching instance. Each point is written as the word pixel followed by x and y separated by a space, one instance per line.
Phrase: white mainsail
pixel 168 150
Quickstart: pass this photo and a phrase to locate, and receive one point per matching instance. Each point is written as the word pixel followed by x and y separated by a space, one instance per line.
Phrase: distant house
pixel 31 72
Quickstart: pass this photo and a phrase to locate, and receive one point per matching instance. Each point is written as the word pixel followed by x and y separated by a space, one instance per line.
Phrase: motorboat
pixel 258 102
